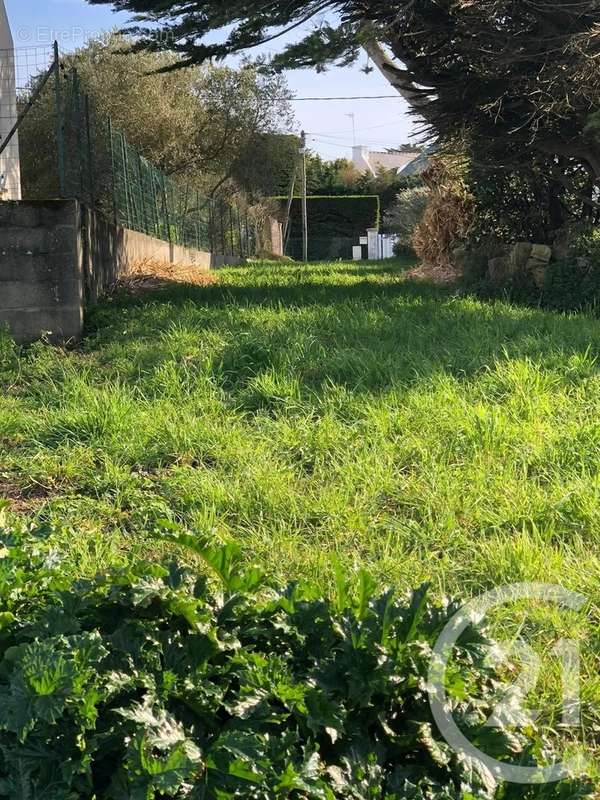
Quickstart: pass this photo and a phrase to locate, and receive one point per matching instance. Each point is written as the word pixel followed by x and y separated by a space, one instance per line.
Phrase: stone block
pixel 5 214
pixel 30 324
pixel 561 248
pixel 22 240
pixel 541 252
pixel 63 239
pixel 519 256
pixel 44 294
pixel 25 215
pixel 499 269
pixel 459 257
pixel 538 271
pixel 57 212
pixel 15 266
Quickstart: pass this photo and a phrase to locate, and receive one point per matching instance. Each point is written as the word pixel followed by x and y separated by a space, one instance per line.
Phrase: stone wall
pixel 521 257
pixel 108 251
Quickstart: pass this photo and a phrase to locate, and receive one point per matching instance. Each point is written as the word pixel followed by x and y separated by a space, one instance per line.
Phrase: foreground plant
pixel 146 683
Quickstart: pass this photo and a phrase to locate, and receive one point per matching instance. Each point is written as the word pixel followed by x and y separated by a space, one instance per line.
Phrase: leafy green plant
pixel 8 352
pixel 156 682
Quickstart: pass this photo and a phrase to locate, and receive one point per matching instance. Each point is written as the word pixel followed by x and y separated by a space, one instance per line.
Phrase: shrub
pixel 147 684
pixel 404 216
pixel 572 285
pixel 8 352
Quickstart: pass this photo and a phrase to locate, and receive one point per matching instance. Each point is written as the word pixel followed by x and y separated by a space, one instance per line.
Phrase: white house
pixel 372 161
pixel 10 166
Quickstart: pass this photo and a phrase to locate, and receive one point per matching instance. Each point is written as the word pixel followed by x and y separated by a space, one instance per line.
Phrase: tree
pixel 507 79
pixel 192 123
pixel 265 166
pixel 339 177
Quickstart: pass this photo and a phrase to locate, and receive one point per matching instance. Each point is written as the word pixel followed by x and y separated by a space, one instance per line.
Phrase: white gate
pixel 381 245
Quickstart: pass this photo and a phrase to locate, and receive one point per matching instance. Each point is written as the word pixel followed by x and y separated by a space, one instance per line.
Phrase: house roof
pixel 371 161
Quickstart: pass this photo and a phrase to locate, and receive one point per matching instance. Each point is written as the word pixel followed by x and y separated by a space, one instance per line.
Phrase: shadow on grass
pixel 321 326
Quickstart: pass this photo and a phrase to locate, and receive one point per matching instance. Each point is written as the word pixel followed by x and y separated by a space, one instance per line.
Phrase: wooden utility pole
pixel 288 210
pixel 304 201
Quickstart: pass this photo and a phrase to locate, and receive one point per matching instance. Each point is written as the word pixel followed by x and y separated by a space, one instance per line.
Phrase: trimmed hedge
pixel 332 219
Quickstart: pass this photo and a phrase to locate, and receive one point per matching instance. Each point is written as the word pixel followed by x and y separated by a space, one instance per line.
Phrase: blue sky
pixel 379 123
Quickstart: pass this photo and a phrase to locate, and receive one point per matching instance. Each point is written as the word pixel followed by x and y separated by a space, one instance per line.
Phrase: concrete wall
pixel 41 274
pixel 57 258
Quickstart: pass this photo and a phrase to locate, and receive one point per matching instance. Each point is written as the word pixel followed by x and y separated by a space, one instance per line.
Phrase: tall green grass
pixel 324 410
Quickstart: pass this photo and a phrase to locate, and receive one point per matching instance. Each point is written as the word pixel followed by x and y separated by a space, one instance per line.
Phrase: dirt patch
pixel 150 274
pixel 443 276
pixel 23 499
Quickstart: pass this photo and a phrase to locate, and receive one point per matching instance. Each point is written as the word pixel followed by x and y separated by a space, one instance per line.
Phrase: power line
pixel 345 140
pixel 388 145
pixel 364 97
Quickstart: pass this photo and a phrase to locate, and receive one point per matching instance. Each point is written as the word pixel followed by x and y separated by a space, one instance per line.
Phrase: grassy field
pixel 334 409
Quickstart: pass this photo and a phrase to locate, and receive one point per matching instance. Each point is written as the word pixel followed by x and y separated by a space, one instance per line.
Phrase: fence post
pixel 126 180
pixel 239 224
pixel 247 233
pixel 157 219
pixel 88 128
pixel 222 218
pixel 231 231
pixel 76 103
pixel 211 226
pixel 113 172
pixel 145 225
pixel 60 123
pixel 197 217
pixel 166 207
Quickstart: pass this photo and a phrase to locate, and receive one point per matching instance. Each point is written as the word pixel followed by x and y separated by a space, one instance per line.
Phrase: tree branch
pixel 399 78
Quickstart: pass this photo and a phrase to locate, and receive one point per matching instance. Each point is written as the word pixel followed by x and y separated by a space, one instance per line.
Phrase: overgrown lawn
pixel 333 409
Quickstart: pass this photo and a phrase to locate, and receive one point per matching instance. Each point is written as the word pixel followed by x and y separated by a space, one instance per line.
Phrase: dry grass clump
pixel 448 218
pixel 152 273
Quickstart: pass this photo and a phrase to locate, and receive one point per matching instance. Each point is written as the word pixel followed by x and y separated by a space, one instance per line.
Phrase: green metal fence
pixel 97 165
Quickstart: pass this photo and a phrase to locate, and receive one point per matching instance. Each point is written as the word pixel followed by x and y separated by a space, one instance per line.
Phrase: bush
pixel 146 683
pixel 404 216
pixel 572 286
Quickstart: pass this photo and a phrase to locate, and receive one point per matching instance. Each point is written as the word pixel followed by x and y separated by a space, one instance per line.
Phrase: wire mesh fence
pixel 70 149
pixel 16 70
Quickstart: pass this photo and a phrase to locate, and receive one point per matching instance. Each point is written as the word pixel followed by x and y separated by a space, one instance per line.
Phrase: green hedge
pixel 332 218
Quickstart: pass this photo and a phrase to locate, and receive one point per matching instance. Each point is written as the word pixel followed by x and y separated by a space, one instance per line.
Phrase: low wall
pixel 139 247
pixel 108 251
pixel 58 257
